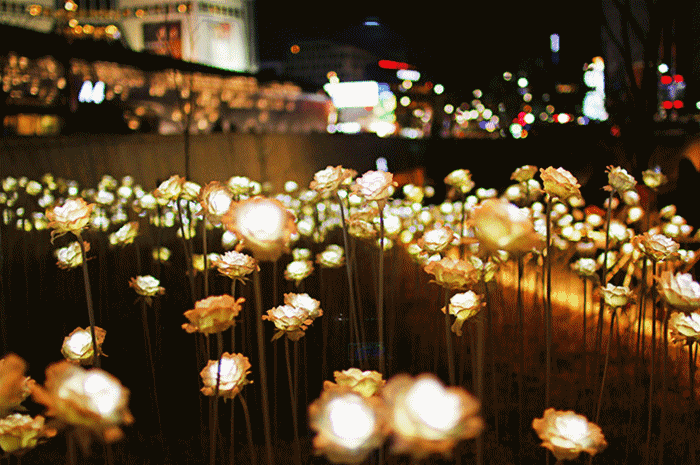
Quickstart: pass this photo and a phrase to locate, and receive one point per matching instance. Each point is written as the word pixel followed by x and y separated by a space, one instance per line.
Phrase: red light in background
pixel 678 78
pixel 667 104
pixel 666 80
pixel 677 104
pixel 390 64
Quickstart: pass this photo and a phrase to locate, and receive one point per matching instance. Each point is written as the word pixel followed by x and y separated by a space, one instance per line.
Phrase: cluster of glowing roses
pixel 93 402
pixel 355 416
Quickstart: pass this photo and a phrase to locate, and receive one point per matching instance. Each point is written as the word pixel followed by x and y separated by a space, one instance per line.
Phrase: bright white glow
pixel 229 371
pixel 438 409
pixel 439 89
pixel 487 113
pixel 382 164
pixel 408 74
pixel 529 118
pixel 406 84
pixel 382 128
pixel 90 93
pixel 356 94
pixel 594 100
pixel 507 76
pixel 572 428
pixel 104 394
pixel 405 101
pixel 78 341
pixel 351 420
pixel 522 82
pixel 351 127
pixel 516 130
pixel 449 108
pixel 219 202
pixel 527 97
pixel 663 68
pixel 477 93
pixel 563 118
pixel 554 42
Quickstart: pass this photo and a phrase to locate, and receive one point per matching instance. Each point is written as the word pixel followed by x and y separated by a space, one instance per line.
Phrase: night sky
pixel 463 43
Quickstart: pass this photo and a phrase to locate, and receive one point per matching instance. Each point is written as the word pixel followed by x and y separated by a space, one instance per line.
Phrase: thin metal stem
pixel 262 365
pixel 88 298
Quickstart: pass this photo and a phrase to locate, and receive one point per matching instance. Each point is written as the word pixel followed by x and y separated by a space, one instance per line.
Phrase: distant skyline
pixel 463 44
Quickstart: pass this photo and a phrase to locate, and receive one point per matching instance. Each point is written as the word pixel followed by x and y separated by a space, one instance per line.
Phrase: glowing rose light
pixel 70 256
pixel 460 179
pixel 91 400
pixel 332 257
pixel 190 191
pixel 304 302
pixel 685 327
pixel 619 180
pixel 374 185
pixel 232 370
pixel 654 178
pixel 524 173
pixel 240 185
pixel 366 383
pixel 13 383
pixel 501 225
pixel 147 287
pixel 264 225
pixel 215 199
pixel 213 314
pixel 361 228
pixel 464 306
pixel 453 274
pixel 78 348
pixel 125 235
pixel 169 189
pixel 298 270
pixel 680 291
pixel 348 426
pixel 616 296
pixel 329 180
pixel 567 434
pixel 290 321
pixel 559 183
pixel 73 216
pixel 585 267
pixel 657 247
pixel 427 418
pixel 437 239
pixel 19 433
pixel 236 265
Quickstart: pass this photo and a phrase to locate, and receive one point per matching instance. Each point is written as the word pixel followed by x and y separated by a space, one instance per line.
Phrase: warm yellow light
pixel 351 420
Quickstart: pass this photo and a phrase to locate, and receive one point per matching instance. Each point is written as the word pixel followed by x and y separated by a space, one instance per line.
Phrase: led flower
pixel 125 235
pixel 332 257
pixel 73 216
pixel 264 225
pixel 13 383
pixel 231 370
pixel 290 321
pixel 453 274
pixel 298 270
pixel 619 180
pixel 240 185
pixel 236 265
pixel 70 256
pixel 585 267
pixel 654 178
pixel 463 305
pixel 348 426
pixel 427 418
pixel 616 296
pixel 215 199
pixel 190 191
pixel 524 173
pixel 19 433
pixel 461 180
pixel 213 314
pixel 327 181
pixel 374 185
pixel 501 225
pixel 437 239
pixel 366 383
pixel 147 287
pixel 685 327
pixel 559 183
pixel 567 434
pixel 92 400
pixel 680 291
pixel 304 302
pixel 169 189
pixel 78 348
pixel 361 228
pixel 161 254
pixel 657 247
